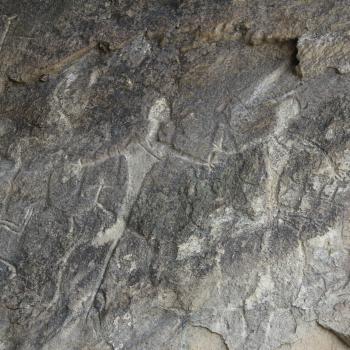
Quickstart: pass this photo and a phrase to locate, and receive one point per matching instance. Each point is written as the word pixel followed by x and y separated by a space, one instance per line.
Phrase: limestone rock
pixel 319 52
pixel 168 181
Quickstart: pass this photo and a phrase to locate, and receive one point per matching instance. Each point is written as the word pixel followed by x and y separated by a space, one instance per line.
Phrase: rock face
pixel 174 175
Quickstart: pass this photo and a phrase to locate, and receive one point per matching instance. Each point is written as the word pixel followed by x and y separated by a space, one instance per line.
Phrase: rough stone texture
pixel 174 175
pixel 317 53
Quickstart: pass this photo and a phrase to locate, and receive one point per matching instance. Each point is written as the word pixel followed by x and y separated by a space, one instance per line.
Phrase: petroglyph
pixel 139 162
pixel 64 109
pixel 140 158
pixel 277 153
pixel 97 203
pixel 218 147
pixel 159 113
pixel 63 265
pixel 254 95
pixel 8 21
pixel 15 228
pixel 161 189
pixel 57 104
pixel 266 84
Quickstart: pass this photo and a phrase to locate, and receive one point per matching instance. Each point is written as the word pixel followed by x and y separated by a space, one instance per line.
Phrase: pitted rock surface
pixel 174 175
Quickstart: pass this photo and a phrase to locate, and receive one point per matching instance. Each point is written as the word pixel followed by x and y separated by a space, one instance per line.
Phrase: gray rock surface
pixel 174 175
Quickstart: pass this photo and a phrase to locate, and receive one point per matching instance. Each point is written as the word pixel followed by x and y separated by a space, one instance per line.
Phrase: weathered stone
pixel 317 52
pixel 168 181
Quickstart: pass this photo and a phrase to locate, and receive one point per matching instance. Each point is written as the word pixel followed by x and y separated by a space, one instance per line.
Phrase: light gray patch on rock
pixel 318 52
